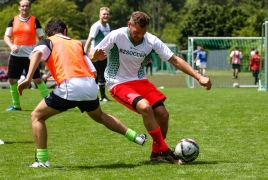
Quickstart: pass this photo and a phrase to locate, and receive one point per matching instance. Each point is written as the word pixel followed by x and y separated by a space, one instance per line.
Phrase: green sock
pixel 42 155
pixel 15 95
pixel 131 135
pixel 43 89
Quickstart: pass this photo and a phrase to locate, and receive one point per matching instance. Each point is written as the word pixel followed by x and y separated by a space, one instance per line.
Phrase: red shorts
pixel 126 93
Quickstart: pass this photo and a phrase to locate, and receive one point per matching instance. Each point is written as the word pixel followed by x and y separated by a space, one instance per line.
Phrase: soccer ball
pixel 187 150
pixel 236 85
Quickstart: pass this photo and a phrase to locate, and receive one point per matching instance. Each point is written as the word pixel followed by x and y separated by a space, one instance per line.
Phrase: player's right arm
pixel 8 35
pixel 91 36
pixel 88 44
pixel 100 51
pixel 34 63
pixel 40 53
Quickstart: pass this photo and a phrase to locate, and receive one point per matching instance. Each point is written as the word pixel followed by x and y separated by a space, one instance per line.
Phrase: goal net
pixel 218 50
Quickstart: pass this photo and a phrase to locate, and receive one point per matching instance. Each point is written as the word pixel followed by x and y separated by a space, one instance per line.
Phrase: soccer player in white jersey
pixel 97 32
pixel 129 49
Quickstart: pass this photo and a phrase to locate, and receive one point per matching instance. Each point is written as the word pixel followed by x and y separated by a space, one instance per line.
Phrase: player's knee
pixel 34 117
pixel 164 116
pixel 142 105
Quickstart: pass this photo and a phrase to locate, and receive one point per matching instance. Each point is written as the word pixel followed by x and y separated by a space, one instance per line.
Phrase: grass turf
pixel 229 124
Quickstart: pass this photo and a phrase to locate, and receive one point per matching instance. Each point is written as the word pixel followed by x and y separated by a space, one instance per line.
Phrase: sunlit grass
pixel 229 124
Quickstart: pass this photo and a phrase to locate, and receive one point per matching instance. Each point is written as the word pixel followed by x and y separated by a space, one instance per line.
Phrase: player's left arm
pixel 182 65
pixel 39 30
pixel 90 65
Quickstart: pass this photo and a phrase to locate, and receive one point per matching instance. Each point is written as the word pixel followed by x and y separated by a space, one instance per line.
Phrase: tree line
pixel 172 21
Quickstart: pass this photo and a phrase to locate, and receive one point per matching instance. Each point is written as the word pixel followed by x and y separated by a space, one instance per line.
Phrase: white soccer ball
pixel 236 85
pixel 187 150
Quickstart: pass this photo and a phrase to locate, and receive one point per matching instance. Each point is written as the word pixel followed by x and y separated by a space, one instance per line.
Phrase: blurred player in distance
pixel 97 32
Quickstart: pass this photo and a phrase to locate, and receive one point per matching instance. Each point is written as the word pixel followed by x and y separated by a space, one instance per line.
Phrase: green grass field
pixel 229 124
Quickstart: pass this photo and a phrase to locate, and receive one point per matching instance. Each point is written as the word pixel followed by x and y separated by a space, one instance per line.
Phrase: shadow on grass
pixel 189 164
pixel 27 110
pixel 106 166
pixel 122 165
pixel 19 142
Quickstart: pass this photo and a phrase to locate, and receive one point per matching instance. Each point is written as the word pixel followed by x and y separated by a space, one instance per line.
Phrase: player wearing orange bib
pixel 76 87
pixel 20 36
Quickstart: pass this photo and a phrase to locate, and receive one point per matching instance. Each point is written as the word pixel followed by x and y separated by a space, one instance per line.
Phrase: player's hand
pixel 205 81
pixel 97 54
pixel 14 49
pixel 24 85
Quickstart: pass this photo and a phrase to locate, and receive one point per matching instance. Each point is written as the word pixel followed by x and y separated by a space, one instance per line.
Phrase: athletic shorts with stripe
pixel 60 104
pixel 129 93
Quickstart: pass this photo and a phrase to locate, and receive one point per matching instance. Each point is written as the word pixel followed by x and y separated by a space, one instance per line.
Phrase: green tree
pixel 6 15
pixel 80 3
pixel 65 10
pixel 216 21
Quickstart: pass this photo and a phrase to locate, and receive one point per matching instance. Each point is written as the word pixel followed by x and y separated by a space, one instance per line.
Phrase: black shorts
pixel 236 66
pixel 255 73
pixel 100 67
pixel 60 104
pixel 16 65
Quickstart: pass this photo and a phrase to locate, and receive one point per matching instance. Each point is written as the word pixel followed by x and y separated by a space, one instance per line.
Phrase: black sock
pixel 102 91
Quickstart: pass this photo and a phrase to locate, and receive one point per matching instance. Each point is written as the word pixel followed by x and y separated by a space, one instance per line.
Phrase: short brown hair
pixel 25 0
pixel 140 18
pixel 104 8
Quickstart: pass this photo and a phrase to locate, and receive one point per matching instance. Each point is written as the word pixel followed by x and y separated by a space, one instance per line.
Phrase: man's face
pixel 104 16
pixel 24 8
pixel 136 32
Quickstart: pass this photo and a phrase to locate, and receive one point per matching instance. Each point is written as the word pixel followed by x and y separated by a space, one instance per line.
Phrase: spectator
pixel 235 60
pixel 255 63
pixel 197 60
pixel 202 57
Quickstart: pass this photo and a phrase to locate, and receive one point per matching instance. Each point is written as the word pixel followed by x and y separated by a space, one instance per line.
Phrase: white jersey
pixel 126 61
pixel 252 53
pixel 98 32
pixel 236 57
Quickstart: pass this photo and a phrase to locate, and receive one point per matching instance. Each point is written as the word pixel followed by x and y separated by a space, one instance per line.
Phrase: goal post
pixel 219 70
pixel 264 77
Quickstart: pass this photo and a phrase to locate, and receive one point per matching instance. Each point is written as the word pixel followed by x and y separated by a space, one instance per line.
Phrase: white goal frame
pixel 191 82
